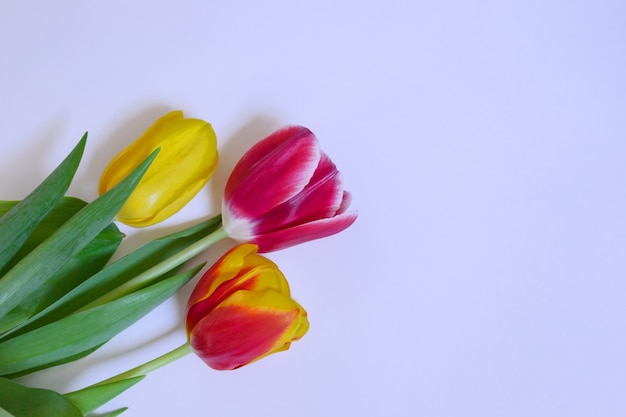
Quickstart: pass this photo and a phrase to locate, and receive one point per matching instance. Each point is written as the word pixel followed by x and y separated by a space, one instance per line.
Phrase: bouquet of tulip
pixel 61 299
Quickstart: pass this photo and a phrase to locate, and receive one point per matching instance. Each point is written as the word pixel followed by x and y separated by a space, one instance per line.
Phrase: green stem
pixel 159 269
pixel 150 366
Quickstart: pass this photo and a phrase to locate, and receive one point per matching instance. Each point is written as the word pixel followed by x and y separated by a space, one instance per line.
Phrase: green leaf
pixel 66 208
pixel 22 401
pixel 51 364
pixel 118 273
pixel 62 339
pixel 20 221
pixel 114 413
pixel 6 205
pixel 46 259
pixel 5 413
pixel 90 398
pixel 61 213
pixel 81 266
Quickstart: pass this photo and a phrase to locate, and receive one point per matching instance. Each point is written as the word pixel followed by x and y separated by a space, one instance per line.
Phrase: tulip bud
pixel 186 160
pixel 285 191
pixel 241 311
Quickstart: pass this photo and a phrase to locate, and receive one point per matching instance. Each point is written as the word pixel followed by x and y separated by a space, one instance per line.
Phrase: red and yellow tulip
pixel 241 311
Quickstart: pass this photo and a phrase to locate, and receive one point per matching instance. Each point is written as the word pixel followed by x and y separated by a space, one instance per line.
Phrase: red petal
pixel 304 232
pixel 272 171
pixel 233 336
pixel 256 273
pixel 226 268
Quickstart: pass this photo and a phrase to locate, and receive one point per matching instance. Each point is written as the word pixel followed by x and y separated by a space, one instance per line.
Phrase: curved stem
pixel 157 270
pixel 150 366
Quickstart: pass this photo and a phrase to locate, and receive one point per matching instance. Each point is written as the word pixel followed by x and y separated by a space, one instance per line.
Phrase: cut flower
pixel 186 161
pixel 285 191
pixel 241 311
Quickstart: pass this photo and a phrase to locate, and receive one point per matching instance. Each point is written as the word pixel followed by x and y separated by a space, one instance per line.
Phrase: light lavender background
pixel 484 143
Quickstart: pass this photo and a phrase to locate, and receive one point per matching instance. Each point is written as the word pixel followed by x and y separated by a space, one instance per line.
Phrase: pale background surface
pixel 484 143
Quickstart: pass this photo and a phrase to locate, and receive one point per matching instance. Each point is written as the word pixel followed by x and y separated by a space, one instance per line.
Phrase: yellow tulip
pixel 186 160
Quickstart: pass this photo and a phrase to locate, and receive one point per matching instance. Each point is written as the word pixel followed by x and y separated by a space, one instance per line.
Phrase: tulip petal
pixel 301 233
pixel 226 268
pixel 320 199
pixel 263 277
pixel 345 203
pixel 271 172
pixel 119 167
pixel 187 159
pixel 243 330
pixel 184 165
pixel 239 269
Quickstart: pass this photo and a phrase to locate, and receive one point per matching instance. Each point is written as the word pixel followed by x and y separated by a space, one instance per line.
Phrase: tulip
pixel 241 311
pixel 186 160
pixel 285 191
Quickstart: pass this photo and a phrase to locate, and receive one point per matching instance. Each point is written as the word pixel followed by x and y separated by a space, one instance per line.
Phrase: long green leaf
pixel 90 398
pixel 114 413
pixel 21 220
pixel 5 413
pixel 118 273
pixel 81 266
pixel 22 401
pixel 51 364
pixel 61 213
pixel 62 339
pixel 47 258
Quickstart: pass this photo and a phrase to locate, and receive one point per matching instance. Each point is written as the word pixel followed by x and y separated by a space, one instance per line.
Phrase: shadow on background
pixel 31 164
pixel 101 151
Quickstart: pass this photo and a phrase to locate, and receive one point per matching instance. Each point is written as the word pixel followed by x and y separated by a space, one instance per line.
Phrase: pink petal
pixel 285 238
pixel 272 171
pixel 320 199
pixel 345 203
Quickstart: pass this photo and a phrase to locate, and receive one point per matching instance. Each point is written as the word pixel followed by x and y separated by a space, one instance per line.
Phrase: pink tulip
pixel 285 191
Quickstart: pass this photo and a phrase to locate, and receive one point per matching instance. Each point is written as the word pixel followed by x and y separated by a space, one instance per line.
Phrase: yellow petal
pixel 186 160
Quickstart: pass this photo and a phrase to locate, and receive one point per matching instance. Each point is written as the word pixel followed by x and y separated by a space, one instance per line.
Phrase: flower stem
pixel 159 269
pixel 150 366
